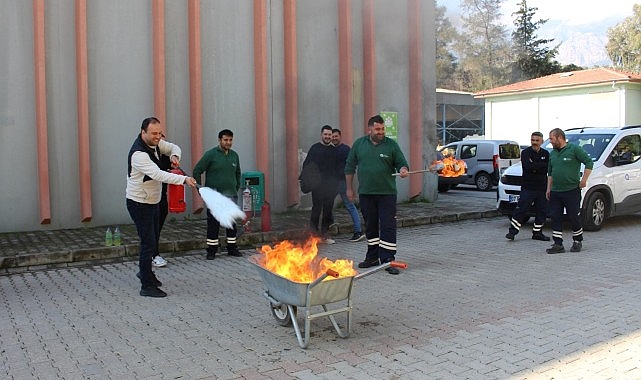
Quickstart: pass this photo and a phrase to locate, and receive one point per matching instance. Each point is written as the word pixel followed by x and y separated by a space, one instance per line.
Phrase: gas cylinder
pixel 265 217
pixel 176 194
pixel 247 202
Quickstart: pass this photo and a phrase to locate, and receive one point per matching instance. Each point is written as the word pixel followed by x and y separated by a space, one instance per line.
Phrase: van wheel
pixel 483 182
pixel 594 212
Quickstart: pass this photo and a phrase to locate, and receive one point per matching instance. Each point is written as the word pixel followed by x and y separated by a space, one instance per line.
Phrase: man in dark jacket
pixel 534 161
pixel 323 154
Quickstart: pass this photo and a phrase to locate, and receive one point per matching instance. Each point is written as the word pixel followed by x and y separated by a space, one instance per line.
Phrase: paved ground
pixel 470 305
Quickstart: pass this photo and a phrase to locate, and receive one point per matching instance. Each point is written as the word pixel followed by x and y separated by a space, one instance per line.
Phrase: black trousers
pixel 145 217
pixel 322 205
pixel 379 212
pixel 520 213
pixel 571 202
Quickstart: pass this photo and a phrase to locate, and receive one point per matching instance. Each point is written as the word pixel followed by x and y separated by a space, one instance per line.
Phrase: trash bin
pixel 256 182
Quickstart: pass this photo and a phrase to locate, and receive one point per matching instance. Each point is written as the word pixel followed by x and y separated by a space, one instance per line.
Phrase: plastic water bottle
pixel 109 238
pixel 117 239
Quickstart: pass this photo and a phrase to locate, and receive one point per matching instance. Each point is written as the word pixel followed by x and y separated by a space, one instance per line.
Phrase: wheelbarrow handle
pixel 329 272
pixel 395 264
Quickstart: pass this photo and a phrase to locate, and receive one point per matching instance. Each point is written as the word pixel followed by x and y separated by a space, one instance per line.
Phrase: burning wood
pixel 300 263
pixel 449 167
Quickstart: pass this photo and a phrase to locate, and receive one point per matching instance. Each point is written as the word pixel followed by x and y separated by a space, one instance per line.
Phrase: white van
pixel 614 186
pixel 485 159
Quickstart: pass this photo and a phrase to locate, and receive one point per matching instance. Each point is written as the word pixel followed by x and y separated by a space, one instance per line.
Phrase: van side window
pixel 627 150
pixel 468 151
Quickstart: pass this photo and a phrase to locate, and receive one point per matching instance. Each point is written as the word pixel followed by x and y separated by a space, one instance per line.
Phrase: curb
pixel 77 257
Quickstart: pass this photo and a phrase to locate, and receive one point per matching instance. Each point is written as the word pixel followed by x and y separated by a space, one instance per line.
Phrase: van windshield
pixel 593 144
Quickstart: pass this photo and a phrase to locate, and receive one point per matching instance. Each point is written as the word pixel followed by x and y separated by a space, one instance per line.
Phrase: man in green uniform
pixel 564 189
pixel 377 158
pixel 222 173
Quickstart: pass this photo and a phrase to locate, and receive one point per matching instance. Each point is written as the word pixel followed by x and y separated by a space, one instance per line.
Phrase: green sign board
pixel 391 124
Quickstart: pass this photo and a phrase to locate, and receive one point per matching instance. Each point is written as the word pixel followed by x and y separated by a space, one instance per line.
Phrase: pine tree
pixel 446 36
pixel 533 58
pixel 484 46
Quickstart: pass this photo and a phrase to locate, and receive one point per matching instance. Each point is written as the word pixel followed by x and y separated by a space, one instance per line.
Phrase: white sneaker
pixel 329 241
pixel 158 262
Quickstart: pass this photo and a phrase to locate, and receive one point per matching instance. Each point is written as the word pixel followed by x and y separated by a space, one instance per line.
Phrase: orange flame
pixel 449 167
pixel 300 263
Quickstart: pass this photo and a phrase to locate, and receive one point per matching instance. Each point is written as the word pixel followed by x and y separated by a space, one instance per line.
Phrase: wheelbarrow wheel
pixel 281 314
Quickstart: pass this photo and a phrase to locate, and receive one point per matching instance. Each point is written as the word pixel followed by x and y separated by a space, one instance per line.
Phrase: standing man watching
pixel 564 189
pixel 342 151
pixel 534 161
pixel 377 158
pixel 222 173
pixel 323 154
pixel 144 185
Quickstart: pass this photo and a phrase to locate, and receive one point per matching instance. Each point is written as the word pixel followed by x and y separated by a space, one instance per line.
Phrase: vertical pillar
pixel 345 77
pixel 291 101
pixel 195 91
pixel 415 94
pixel 369 62
pixel 158 36
pixel 261 99
pixel 44 197
pixel 82 96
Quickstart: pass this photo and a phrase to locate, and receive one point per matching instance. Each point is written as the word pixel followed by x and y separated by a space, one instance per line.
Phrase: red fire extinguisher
pixel 265 217
pixel 176 194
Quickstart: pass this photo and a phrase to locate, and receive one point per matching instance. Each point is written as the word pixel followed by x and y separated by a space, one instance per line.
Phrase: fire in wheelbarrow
pixel 296 277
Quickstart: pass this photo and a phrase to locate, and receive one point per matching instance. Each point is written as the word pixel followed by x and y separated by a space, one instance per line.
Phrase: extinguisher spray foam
pixel 222 208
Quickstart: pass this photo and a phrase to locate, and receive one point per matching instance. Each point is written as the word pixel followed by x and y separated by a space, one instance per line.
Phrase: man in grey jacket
pixel 144 186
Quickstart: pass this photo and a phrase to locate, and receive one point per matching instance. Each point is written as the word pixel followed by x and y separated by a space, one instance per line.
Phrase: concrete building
pixel 588 98
pixel 79 76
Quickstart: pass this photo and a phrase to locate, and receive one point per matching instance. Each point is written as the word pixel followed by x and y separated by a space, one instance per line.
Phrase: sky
pixel 570 12
pixel 575 23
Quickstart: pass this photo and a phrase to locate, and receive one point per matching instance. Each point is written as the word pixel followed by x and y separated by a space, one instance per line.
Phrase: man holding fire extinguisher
pixel 222 173
pixel 144 186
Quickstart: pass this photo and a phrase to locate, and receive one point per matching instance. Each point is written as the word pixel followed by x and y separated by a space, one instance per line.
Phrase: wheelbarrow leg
pixel 335 323
pixel 301 342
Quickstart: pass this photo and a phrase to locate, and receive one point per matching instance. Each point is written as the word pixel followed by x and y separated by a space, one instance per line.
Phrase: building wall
pixel 516 117
pixel 121 92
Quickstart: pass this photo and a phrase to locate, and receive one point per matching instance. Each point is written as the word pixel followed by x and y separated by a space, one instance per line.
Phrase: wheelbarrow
pixel 285 296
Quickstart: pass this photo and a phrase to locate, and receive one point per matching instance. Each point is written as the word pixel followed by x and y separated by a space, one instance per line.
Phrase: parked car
pixel 613 188
pixel 485 159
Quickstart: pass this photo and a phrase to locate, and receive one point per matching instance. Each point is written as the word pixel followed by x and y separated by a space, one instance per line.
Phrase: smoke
pixel 222 208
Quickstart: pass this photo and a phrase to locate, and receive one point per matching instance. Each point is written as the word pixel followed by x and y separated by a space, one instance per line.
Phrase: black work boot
pixel 211 252
pixel 232 250
pixel 540 236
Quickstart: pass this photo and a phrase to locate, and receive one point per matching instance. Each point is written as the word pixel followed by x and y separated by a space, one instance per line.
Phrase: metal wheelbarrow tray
pixel 286 295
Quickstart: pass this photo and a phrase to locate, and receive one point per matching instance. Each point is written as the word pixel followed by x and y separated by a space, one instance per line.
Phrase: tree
pixel 484 46
pixel 533 58
pixel 446 36
pixel 624 42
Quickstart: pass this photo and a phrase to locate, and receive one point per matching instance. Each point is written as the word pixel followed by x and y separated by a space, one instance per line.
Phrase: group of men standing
pixel 551 182
pixel 149 160
pixel 328 157
pixel 377 159
pixel 376 156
